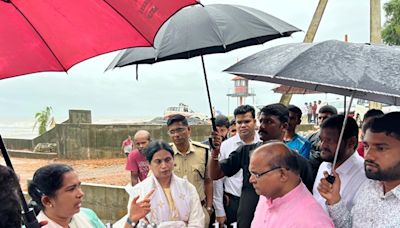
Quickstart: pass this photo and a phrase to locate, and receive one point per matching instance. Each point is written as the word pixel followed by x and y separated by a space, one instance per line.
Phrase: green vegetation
pixel 44 120
pixel 391 29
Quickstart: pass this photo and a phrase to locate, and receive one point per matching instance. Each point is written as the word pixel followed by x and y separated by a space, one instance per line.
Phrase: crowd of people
pixel 254 174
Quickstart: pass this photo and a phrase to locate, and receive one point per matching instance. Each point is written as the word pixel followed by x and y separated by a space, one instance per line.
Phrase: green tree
pixel 391 29
pixel 43 119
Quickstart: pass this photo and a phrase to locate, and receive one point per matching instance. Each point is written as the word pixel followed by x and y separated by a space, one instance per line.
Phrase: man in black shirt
pixel 273 124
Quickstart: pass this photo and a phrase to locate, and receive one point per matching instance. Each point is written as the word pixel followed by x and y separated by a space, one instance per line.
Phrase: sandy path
pixel 101 171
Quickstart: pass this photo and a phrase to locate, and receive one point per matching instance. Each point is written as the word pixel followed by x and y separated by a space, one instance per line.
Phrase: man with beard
pixel 349 164
pixel 377 202
pixel 227 190
pixel 136 162
pixel 315 154
pixel 273 124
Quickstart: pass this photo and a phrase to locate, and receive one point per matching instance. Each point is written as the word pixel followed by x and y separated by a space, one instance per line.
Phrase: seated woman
pixel 175 202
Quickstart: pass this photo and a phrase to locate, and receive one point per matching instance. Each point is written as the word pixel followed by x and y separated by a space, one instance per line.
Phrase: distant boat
pixel 185 111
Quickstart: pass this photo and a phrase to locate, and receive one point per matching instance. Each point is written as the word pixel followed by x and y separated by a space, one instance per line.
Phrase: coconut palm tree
pixel 43 119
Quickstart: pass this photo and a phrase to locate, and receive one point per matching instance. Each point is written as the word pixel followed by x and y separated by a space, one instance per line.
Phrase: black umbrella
pixel 366 71
pixel 199 30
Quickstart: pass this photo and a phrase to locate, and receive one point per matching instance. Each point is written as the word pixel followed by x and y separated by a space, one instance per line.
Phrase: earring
pixel 51 205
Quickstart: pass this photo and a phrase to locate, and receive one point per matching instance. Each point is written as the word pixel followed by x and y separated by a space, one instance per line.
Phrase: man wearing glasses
pixel 273 125
pixel 284 199
pixel 191 161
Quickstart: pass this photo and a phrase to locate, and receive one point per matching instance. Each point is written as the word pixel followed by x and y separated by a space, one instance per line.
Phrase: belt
pixel 231 195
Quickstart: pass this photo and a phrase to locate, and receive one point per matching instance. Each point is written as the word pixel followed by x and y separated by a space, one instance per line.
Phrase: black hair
pixel 243 109
pixel 328 109
pixel 388 124
pixel 46 181
pixel 279 110
pixel 10 210
pixel 178 118
pixel 336 122
pixel 232 122
pixel 373 113
pixel 222 121
pixel 156 146
pixel 296 110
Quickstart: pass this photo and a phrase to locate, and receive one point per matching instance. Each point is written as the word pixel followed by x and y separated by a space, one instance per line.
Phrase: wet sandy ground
pixel 100 171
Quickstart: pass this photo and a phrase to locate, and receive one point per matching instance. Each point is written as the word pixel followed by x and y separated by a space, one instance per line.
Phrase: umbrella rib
pixel 220 36
pixel 116 11
pixel 150 42
pixel 37 32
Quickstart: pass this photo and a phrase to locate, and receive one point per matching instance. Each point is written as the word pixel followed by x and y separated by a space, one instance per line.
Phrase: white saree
pixel 185 197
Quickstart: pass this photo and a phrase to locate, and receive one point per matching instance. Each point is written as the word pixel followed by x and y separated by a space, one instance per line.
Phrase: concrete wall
pixel 109 202
pixel 77 138
pixel 90 141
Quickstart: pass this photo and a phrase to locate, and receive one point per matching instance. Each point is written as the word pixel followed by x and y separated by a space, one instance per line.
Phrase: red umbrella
pixel 54 35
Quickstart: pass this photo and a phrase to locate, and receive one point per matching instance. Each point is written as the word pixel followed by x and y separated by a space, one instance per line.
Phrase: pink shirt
pixel 127 142
pixel 137 162
pixel 298 208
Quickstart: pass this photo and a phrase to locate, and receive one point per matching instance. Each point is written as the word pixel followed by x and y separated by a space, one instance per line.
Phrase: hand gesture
pixel 139 210
pixel 331 192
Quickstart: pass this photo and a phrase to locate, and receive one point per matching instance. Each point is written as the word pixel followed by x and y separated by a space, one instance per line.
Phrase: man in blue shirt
pixel 291 138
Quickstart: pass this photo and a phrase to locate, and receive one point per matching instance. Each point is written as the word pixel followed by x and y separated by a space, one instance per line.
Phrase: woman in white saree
pixel 175 202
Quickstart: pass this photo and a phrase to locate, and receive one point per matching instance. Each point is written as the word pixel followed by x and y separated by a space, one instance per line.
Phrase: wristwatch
pixel 210 209
pixel 131 223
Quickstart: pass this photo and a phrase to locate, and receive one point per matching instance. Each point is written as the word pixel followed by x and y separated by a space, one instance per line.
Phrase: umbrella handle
pixel 330 179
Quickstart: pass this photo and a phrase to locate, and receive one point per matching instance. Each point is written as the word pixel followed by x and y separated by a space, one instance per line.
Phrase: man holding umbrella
pixel 377 202
pixel 273 125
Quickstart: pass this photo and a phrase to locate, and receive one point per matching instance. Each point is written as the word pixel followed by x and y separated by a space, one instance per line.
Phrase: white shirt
pixel 233 184
pixel 372 208
pixel 352 176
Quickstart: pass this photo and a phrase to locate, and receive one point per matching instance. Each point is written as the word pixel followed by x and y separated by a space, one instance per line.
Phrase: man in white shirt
pixel 349 165
pixel 377 203
pixel 228 189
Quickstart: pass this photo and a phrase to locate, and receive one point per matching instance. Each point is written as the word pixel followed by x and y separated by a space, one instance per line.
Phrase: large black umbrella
pixel 371 72
pixel 199 30
pixel 366 71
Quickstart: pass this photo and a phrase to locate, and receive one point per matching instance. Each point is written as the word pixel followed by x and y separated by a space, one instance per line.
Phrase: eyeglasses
pixel 178 130
pixel 258 175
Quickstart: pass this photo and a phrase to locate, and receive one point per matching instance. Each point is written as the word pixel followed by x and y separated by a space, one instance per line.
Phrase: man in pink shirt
pixel 127 145
pixel 136 162
pixel 284 199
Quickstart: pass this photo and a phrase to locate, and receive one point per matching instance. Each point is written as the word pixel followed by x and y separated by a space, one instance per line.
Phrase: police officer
pixel 191 161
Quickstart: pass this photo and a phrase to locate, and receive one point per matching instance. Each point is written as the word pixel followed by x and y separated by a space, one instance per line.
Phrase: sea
pixel 22 128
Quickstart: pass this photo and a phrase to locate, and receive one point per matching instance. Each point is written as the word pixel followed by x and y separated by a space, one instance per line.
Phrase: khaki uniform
pixel 192 166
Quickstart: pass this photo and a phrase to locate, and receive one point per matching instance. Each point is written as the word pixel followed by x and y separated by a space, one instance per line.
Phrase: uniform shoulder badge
pixel 199 144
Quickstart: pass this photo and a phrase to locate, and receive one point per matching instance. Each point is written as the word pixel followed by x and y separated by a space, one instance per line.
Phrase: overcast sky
pixel 117 93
